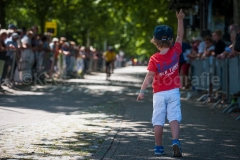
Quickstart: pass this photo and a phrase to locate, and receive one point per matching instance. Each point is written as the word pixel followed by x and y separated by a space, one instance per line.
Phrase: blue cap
pixel 163 32
pixel 12 26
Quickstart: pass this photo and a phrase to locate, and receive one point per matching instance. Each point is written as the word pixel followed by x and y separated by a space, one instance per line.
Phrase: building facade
pixel 209 15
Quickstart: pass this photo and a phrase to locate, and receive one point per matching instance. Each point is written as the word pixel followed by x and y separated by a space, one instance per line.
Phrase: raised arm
pixel 180 31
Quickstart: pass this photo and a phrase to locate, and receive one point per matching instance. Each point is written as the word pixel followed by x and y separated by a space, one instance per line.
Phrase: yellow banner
pixel 51 27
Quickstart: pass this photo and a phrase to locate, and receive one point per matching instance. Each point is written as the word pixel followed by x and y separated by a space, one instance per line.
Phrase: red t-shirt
pixel 166 69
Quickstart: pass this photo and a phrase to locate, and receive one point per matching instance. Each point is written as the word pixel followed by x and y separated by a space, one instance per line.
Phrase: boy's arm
pixel 148 79
pixel 180 31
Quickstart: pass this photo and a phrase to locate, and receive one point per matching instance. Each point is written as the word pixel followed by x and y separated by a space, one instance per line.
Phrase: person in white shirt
pixel 200 44
pixel 209 49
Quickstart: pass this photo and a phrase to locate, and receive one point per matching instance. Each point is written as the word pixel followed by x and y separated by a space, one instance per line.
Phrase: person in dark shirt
pixel 218 42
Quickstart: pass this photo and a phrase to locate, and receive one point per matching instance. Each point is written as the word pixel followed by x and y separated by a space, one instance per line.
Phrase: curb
pixel 106 150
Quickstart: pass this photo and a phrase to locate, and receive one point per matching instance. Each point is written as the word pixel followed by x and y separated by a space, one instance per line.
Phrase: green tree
pixel 124 24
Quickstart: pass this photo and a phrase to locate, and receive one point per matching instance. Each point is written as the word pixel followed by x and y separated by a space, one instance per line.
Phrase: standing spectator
pixel 229 50
pixel 95 59
pixel 218 42
pixel 73 54
pixel 198 47
pixel 55 51
pixel 200 44
pixel 210 48
pixel 12 27
pixel 35 30
pixel 9 35
pixel 100 60
pixel 121 53
pixel 209 52
pixel 26 60
pixel 66 53
pixel 233 27
pixel 184 64
pixel 61 57
pixel 3 52
pixel 46 53
pixel 118 61
pixel 90 55
pixel 80 63
pixel 10 63
pixel 87 53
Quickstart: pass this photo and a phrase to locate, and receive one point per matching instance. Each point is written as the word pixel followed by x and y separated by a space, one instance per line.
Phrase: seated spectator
pixel 218 42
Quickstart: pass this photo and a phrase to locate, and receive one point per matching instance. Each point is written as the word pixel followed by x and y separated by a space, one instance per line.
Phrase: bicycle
pixel 108 70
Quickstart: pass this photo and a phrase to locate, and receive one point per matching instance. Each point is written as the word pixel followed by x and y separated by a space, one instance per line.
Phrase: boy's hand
pixel 180 15
pixel 140 96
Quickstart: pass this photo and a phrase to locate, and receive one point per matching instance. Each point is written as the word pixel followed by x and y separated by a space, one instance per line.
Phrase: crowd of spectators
pixel 209 45
pixel 26 52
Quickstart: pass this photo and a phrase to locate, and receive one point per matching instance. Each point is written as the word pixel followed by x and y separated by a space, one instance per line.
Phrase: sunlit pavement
pixel 98 119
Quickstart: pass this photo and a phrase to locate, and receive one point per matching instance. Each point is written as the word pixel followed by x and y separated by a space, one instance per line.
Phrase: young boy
pixel 163 70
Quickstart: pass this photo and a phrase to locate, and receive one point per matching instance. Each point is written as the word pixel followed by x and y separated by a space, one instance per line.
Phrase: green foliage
pixel 125 24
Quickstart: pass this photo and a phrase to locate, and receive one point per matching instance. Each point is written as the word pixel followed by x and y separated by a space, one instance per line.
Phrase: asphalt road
pixel 36 103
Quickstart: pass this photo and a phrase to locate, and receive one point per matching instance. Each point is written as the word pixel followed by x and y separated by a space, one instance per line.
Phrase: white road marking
pixel 53 89
pixel 70 90
pixel 86 91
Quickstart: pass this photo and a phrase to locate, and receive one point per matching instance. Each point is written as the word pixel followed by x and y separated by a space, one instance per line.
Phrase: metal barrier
pixel 238 118
pixel 209 71
pixel 199 69
pixel 203 71
pixel 222 74
pixel 234 82
pixel 225 77
pixel 234 85
pixel 217 75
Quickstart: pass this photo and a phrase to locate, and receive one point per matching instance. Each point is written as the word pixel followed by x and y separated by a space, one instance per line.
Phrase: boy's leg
pixel 174 112
pixel 174 125
pixel 174 116
pixel 176 146
pixel 158 120
pixel 158 132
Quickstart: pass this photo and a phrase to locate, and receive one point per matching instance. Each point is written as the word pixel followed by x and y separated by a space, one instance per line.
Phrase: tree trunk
pixel 236 8
pixel 88 39
pixel 67 31
pixel 84 42
pixel 2 14
pixel 42 25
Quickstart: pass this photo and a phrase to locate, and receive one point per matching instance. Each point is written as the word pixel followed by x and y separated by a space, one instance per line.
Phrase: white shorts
pixel 166 103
